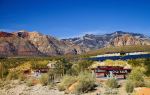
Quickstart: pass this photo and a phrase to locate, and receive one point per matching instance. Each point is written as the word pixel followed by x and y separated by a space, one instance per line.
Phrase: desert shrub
pixel 136 76
pixel 133 48
pixel 21 77
pixel 74 69
pixel 39 64
pixel 112 83
pixel 109 62
pixel 144 63
pixel 44 79
pixel 51 85
pixel 129 86
pixel 61 87
pixel 51 75
pixel 66 82
pixel 30 82
pixel 13 75
pixel 86 82
pixel 81 66
pixel 17 72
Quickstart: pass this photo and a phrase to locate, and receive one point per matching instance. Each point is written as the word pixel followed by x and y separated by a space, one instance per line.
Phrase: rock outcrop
pixel 128 40
pixel 23 43
pixel 118 38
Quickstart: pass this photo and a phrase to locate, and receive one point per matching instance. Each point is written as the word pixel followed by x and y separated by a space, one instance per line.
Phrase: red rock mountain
pixel 129 40
pixel 25 43
pixel 118 38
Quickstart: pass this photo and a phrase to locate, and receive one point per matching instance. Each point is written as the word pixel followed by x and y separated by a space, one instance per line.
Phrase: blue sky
pixel 70 18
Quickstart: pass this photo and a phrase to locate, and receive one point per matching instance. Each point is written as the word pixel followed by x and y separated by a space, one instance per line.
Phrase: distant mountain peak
pixel 5 34
pixel 27 43
pixel 120 32
pixel 92 41
pixel 24 43
pixel 22 31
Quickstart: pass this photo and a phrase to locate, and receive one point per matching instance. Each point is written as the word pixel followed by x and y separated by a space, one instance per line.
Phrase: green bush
pixel 66 82
pixel 61 87
pixel 112 83
pixel 81 66
pixel 44 79
pixel 129 86
pixel 86 82
pixel 136 76
pixel 21 77
pixel 13 75
pixel 51 86
pixel 30 82
pixel 39 64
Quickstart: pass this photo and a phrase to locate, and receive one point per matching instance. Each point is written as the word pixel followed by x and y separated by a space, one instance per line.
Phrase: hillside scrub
pixel 144 63
pixel 31 82
pixel 35 62
pixel 81 66
pixel 129 86
pixel 112 83
pixel 17 72
pixel 44 79
pixel 39 64
pixel 115 63
pixel 24 63
pixel 13 74
pixel 82 83
pixel 137 77
pixel 66 82
pixel 111 49
pixel 86 82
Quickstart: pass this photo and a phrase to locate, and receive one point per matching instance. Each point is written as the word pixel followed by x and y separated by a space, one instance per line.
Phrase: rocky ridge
pixel 118 38
pixel 23 43
pixel 129 40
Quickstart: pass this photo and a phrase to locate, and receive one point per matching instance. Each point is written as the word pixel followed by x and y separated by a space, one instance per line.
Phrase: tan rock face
pixel 128 40
pixel 33 43
pixel 52 46
pixel 6 48
pixel 13 45
pixel 42 43
pixel 23 43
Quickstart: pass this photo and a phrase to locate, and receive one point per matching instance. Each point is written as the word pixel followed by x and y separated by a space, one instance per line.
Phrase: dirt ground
pixel 17 88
